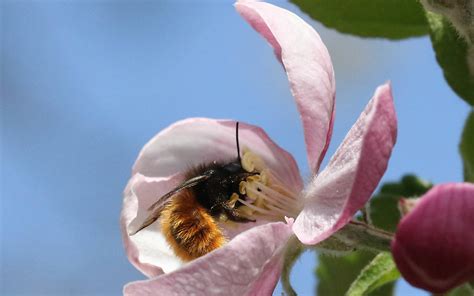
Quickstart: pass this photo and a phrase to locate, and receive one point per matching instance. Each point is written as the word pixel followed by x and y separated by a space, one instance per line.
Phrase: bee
pixel 189 213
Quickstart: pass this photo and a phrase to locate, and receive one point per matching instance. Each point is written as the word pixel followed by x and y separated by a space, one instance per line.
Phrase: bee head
pixel 223 183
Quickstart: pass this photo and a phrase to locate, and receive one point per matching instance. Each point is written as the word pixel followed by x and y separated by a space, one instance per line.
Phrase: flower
pixel 251 261
pixel 434 243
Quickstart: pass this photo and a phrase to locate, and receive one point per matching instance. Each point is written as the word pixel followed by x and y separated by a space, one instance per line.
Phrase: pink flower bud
pixel 434 244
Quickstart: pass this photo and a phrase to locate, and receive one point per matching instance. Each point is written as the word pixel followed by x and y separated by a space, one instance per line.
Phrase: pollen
pixel 266 196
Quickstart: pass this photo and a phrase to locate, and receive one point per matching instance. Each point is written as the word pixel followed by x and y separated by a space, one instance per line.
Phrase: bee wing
pixel 186 184
pixel 158 206
pixel 152 217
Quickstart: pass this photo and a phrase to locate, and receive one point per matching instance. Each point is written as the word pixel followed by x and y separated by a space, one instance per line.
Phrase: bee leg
pixel 234 215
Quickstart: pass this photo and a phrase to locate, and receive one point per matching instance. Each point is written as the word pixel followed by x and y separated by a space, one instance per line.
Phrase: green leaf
pixel 393 19
pixel 336 274
pixel 384 211
pixel 452 55
pixel 467 148
pixel 380 271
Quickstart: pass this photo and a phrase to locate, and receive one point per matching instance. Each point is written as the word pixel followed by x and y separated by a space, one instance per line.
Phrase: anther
pixel 266 197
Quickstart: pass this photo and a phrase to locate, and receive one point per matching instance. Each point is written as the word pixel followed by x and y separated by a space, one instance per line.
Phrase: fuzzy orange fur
pixel 188 228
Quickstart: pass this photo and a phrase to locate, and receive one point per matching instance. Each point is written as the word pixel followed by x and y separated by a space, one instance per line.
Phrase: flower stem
pixel 293 251
pixel 364 236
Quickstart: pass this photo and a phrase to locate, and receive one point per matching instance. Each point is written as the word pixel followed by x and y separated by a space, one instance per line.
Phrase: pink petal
pixel 308 66
pixel 146 250
pixel 248 265
pixel 345 185
pixel 195 141
pixel 434 244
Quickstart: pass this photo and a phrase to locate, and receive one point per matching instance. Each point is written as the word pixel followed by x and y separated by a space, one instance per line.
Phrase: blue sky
pixel 85 85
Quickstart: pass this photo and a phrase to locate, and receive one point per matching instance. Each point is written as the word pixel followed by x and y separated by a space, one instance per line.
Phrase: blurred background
pixel 84 85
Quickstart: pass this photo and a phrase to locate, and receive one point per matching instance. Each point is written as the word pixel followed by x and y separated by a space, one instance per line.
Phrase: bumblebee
pixel 189 213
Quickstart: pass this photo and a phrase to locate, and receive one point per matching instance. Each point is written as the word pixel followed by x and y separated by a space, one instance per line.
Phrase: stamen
pixel 266 196
pixel 264 213
pixel 288 200
pixel 233 199
pixel 277 184
pixel 251 162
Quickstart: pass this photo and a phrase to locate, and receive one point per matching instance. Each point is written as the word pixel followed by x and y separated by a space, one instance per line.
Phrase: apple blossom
pixel 251 262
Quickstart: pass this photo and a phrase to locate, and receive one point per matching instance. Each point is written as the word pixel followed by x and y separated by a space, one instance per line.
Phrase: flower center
pixel 266 195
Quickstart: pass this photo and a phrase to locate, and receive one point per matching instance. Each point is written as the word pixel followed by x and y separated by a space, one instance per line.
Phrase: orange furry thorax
pixel 188 228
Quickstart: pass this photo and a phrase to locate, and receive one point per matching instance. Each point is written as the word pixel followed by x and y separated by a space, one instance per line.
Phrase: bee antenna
pixel 237 140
